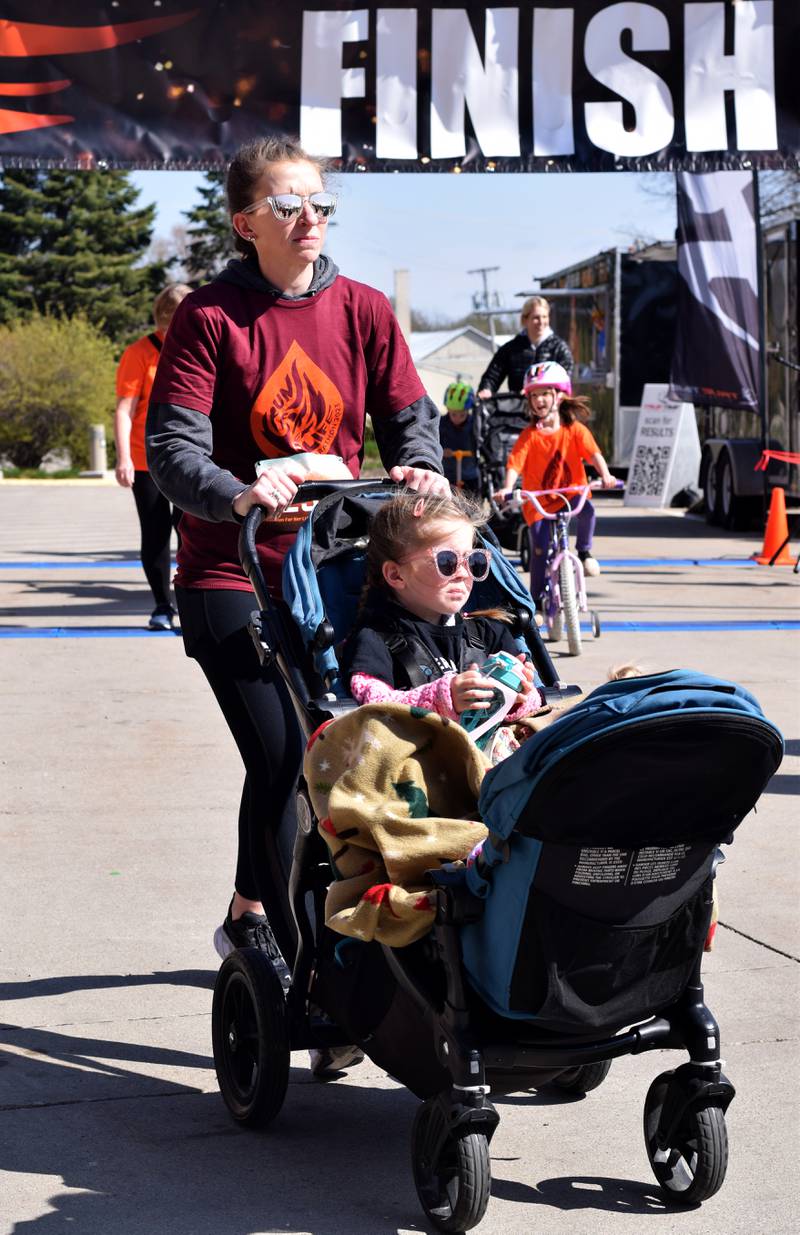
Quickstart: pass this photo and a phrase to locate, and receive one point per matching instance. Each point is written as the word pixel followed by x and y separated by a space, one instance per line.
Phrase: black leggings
pixel 156 520
pixel 259 714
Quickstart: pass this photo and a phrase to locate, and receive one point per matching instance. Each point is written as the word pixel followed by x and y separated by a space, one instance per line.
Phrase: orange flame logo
pixel 299 409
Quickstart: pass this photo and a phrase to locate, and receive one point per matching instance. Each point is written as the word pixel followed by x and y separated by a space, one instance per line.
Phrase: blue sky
pixel 439 226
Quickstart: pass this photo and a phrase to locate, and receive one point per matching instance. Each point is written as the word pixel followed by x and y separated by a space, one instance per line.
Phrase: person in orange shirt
pixel 550 454
pixel 135 376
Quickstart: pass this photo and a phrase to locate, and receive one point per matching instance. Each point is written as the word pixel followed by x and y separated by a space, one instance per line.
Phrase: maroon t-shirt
pixel 278 377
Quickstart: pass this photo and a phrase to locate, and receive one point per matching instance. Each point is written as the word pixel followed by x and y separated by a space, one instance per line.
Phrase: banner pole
pixel 762 332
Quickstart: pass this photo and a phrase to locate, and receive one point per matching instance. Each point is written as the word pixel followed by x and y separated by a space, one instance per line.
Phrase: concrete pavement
pixel 121 786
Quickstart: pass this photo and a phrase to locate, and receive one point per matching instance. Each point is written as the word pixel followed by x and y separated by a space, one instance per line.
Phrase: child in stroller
pixel 412 642
pixel 575 939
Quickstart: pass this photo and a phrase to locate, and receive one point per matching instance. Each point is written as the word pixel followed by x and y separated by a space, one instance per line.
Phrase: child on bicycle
pixel 550 454
pixel 413 643
pixel 455 436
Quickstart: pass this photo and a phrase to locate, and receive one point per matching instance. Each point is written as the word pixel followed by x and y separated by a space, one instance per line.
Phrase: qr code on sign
pixel 649 473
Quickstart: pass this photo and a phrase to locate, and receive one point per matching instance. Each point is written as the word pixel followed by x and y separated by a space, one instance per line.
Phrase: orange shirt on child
pixel 551 461
pixel 135 376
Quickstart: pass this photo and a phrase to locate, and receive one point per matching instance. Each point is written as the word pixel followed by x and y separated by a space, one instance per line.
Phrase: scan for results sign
pixel 582 86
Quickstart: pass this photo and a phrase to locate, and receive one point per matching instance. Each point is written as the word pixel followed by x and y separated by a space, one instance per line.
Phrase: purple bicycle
pixel 564 596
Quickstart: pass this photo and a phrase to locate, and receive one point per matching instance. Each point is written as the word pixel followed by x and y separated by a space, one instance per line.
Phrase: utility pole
pixel 482 301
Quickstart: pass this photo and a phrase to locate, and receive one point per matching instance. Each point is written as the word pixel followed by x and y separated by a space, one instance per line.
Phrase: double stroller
pixel 577 936
pixel 496 424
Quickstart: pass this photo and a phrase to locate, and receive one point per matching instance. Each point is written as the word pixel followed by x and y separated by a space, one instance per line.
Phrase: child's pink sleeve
pixel 435 695
pixel 530 704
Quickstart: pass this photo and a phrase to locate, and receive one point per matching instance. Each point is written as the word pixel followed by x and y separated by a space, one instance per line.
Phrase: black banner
pixel 716 357
pixel 581 86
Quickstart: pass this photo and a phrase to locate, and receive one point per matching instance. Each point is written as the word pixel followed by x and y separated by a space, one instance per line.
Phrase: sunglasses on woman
pixel 288 206
pixel 447 562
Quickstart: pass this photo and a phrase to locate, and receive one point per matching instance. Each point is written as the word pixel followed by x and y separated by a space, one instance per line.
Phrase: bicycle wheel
pixel 569 605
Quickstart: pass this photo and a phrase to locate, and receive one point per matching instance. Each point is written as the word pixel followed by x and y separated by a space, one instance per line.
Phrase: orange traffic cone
pixel 776 535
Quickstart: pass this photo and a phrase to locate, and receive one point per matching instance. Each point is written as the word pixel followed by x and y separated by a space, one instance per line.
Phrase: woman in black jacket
pixel 535 344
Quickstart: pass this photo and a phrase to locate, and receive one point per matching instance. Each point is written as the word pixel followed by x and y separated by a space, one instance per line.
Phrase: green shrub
pixel 56 380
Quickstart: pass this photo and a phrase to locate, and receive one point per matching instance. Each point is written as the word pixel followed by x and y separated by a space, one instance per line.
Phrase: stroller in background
pixel 496 424
pixel 576 938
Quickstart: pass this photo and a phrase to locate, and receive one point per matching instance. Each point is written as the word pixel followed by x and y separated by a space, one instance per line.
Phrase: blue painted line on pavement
pixel 624 563
pixel 83 632
pixel 754 624
pixel 138 632
pixel 94 563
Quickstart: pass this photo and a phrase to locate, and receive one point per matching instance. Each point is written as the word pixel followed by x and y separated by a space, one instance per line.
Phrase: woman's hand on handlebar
pixel 502 495
pixel 274 490
pixel 421 480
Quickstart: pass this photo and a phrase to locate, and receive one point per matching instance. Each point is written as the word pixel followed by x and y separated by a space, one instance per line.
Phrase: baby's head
pixel 619 672
pixel 422 552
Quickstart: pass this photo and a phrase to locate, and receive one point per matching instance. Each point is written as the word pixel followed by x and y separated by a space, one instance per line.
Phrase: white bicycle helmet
pixel 547 376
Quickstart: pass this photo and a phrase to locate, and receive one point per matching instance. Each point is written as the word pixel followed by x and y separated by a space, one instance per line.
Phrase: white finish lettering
pixel 324 83
pixel 749 73
pixel 489 89
pixel 553 132
pixel 606 61
pixel 396 90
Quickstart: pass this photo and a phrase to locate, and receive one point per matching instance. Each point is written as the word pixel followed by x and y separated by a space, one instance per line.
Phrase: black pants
pixel 259 714
pixel 156 520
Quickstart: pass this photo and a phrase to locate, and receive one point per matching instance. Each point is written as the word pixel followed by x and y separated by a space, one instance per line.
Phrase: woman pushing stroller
pixel 550 454
pixel 279 355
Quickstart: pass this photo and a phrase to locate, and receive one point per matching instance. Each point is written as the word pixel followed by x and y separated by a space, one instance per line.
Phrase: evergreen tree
pixel 72 243
pixel 209 236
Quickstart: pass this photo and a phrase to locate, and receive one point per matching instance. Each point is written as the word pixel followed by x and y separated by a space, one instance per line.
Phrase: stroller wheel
pixel 452 1171
pixel 583 1079
pixel 692 1167
pixel 250 1037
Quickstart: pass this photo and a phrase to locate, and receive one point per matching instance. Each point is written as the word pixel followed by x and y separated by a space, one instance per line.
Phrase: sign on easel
pixel 666 450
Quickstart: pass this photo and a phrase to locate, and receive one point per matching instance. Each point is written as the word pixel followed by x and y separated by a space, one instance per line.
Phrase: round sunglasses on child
pixel 447 561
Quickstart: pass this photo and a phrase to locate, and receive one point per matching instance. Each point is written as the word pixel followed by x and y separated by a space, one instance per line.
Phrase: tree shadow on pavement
pixel 334 1162
pixel 38 988
pixel 75 600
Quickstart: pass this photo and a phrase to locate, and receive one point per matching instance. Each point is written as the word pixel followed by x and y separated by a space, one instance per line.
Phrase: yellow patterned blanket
pixel 396 792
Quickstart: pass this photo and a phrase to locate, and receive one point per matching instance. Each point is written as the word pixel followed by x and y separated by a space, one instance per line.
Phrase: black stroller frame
pixel 462 1052
pixel 496 424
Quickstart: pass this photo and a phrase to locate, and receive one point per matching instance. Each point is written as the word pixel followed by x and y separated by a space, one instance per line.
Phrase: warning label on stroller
pixel 628 867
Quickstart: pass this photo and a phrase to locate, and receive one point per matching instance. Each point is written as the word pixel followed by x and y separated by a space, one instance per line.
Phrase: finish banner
pixel 716 356
pixel 581 86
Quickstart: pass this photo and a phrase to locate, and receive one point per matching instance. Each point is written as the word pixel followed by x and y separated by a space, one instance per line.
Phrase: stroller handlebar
pixel 309 491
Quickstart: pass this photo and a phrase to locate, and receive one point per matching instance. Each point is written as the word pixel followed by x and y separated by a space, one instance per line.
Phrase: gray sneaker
pixel 328 1061
pixel 251 930
pixel 162 618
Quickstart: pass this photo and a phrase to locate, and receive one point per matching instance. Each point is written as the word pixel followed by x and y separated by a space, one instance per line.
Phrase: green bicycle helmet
pixel 459 397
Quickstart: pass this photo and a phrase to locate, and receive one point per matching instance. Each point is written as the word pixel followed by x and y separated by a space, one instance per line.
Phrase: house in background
pixel 443 355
